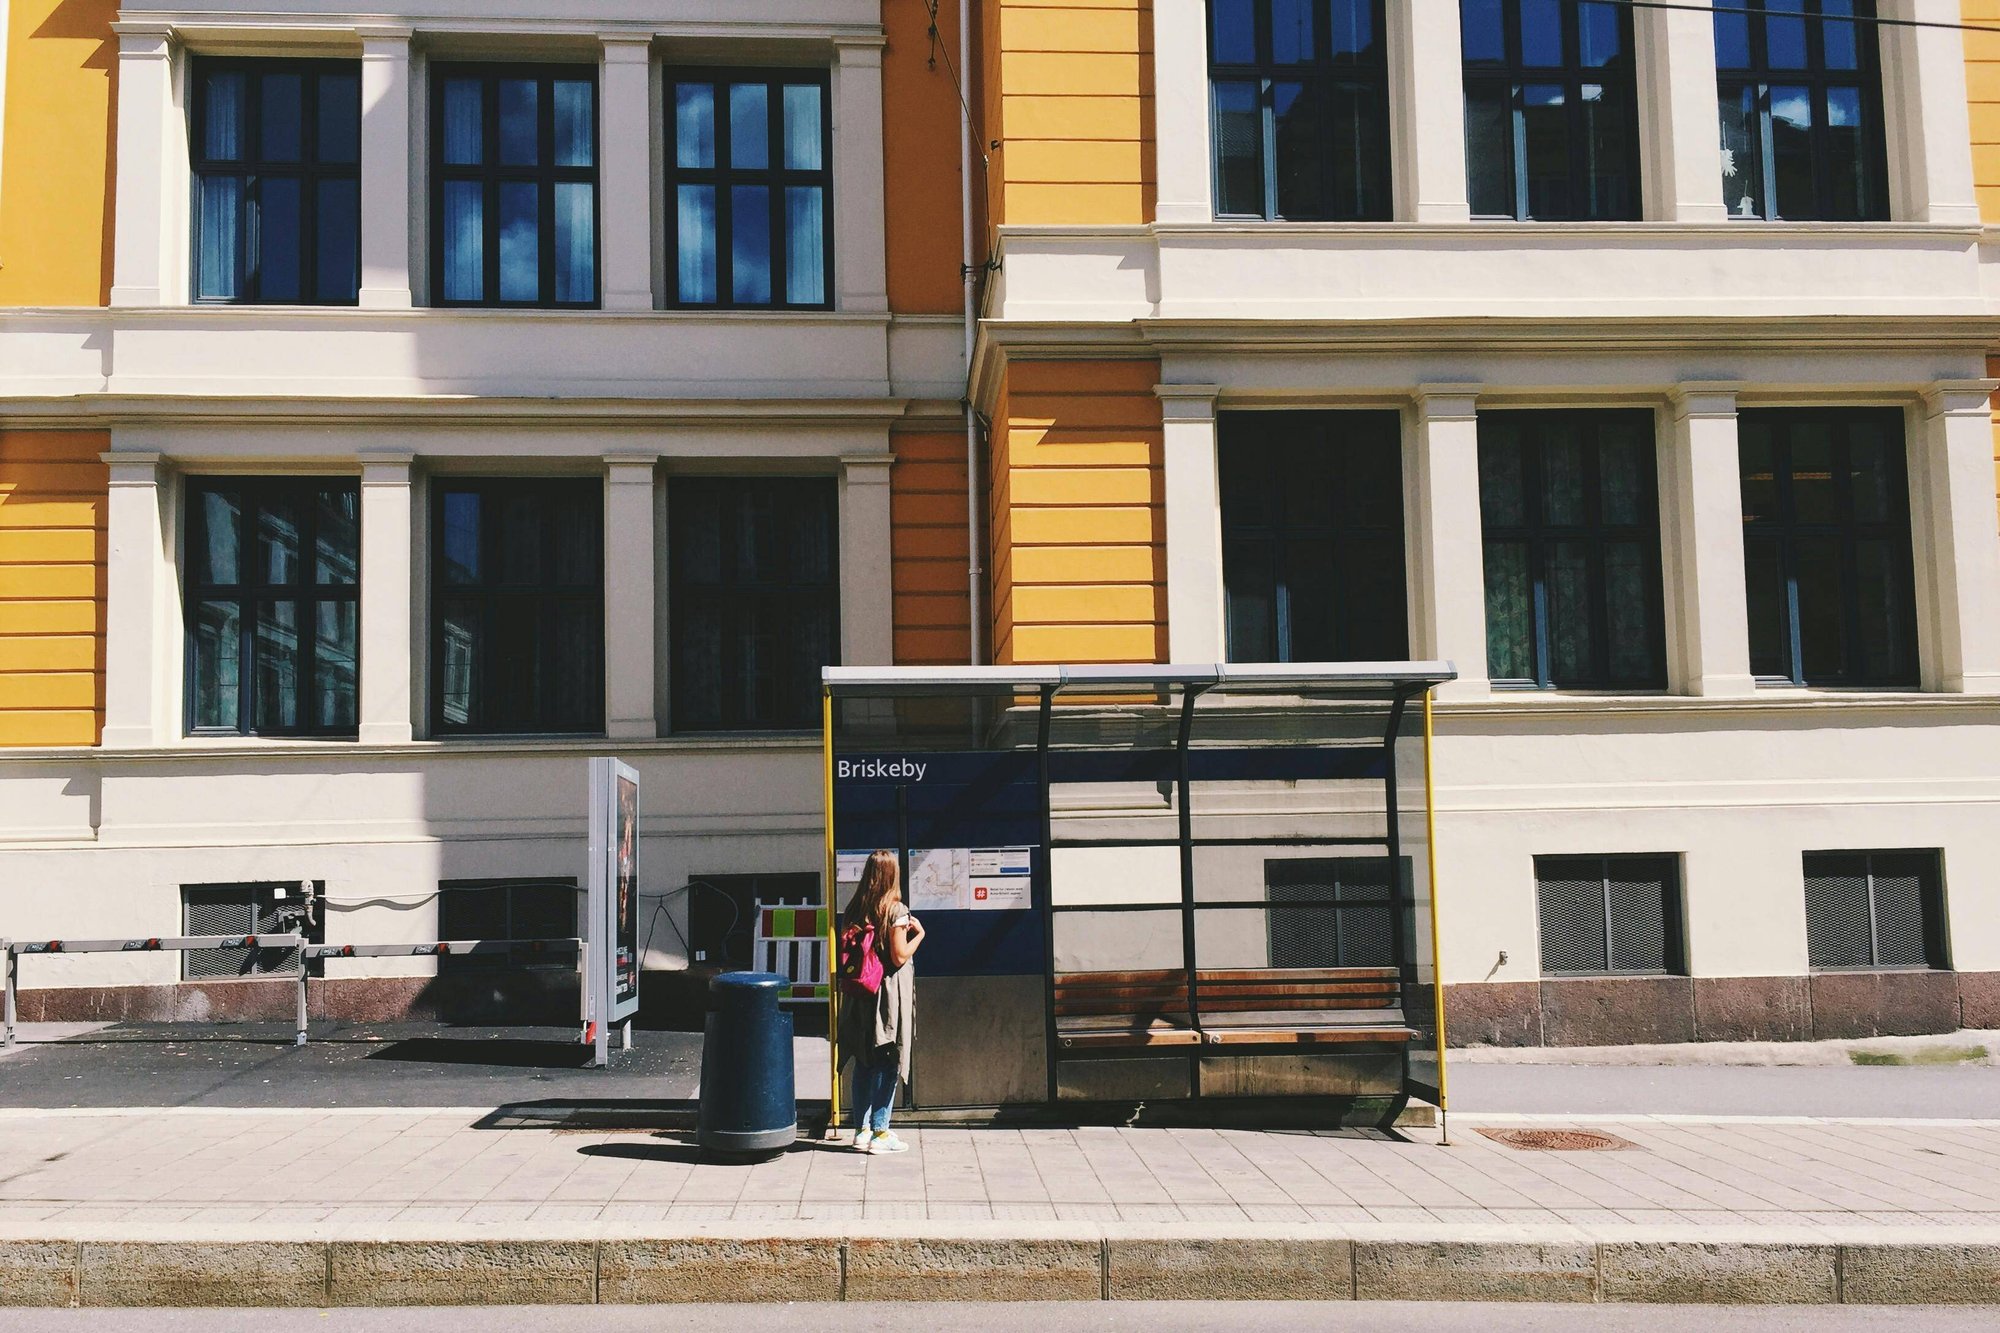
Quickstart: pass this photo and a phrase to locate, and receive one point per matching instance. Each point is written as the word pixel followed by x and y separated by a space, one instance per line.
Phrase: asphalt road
pixel 255 1065
pixel 1967 1092
pixel 424 1065
pixel 1256 1317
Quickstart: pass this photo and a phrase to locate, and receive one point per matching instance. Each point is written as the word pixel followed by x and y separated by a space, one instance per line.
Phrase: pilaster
pixel 625 171
pixel 1447 555
pixel 630 592
pixel 135 580
pixel 1701 522
pixel 1196 628
pixel 1682 166
pixel 387 597
pixel 1427 111
pixel 1182 137
pixel 867 601
pixel 1958 551
pixel 860 227
pixel 385 169
pixel 148 127
pixel 1927 118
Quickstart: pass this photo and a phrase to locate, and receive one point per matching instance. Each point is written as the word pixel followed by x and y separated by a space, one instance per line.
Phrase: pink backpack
pixel 858 961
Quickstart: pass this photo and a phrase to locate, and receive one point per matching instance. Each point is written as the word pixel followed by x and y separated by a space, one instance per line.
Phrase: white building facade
pixel 1710 769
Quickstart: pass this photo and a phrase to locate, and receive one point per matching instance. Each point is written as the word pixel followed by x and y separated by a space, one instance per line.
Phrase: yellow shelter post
pixel 1437 951
pixel 832 927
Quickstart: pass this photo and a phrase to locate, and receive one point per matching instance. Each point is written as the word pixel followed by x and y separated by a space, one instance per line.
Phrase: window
pixel 507 909
pixel 273 573
pixel 1609 915
pixel 514 191
pixel 1826 547
pixel 1312 536
pixel 748 189
pixel 276 148
pixel 1875 909
pixel 1332 912
pixel 517 601
pixel 1551 120
pixel 245 909
pixel 722 915
pixel 1569 504
pixel 755 598
pixel 1299 95
pixel 1800 90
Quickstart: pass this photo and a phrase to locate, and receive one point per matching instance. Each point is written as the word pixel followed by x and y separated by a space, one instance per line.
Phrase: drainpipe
pixel 975 566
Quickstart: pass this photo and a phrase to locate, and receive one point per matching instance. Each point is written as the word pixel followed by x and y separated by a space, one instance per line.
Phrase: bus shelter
pixel 1152 884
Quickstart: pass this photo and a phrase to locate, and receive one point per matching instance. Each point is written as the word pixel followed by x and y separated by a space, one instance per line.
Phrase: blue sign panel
pixel 968 828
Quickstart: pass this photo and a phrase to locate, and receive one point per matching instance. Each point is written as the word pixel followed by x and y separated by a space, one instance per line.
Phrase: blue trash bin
pixel 748 1100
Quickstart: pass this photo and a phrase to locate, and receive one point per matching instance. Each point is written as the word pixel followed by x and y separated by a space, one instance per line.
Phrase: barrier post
pixel 13 983
pixel 302 999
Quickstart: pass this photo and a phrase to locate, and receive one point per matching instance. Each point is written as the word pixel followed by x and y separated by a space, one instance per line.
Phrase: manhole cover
pixel 1557 1140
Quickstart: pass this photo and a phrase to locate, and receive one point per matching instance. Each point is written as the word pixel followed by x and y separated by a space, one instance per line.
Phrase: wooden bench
pixel 1098 1011
pixel 1114 1010
pixel 1300 1006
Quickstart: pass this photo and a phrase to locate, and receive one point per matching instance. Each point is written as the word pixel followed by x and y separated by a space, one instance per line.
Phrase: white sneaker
pixel 887 1142
pixel 862 1138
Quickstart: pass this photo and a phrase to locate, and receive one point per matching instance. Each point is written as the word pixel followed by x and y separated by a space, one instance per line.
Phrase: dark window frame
pixel 1818 80
pixel 1321 76
pixel 250 595
pixel 545 595
pixel 308 171
pixel 1931 890
pixel 1537 534
pixel 774 177
pixel 1674 961
pixel 1619 80
pixel 1286 877
pixel 687 599
pixel 258 896
pixel 1340 429
pixel 1786 531
pixel 491 173
pixel 452 892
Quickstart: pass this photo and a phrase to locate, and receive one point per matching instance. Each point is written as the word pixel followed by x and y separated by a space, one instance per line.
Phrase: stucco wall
pixel 52 548
pixel 1077 520
pixel 55 178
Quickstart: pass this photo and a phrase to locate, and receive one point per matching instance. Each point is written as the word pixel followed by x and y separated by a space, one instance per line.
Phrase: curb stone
pixel 1122 1264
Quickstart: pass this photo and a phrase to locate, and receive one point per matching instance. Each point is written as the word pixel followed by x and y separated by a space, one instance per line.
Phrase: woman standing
pixel 875 1028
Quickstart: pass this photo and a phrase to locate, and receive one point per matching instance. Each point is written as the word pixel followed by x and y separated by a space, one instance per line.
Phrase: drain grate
pixel 1558 1140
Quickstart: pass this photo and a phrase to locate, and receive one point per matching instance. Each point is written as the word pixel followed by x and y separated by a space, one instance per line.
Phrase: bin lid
pixel 742 981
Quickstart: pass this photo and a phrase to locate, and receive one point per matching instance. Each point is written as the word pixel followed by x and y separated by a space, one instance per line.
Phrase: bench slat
pixel 1111 1039
pixel 1306 1036
pixel 1289 975
pixel 1304 1006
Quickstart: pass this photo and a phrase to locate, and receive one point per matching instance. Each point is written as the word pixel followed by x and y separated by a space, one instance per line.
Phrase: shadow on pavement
pixel 506 1054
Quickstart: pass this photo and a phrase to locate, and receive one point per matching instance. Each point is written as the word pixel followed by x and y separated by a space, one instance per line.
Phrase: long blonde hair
pixel 879 893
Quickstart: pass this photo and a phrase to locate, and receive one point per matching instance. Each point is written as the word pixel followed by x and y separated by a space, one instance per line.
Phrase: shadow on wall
pixel 81 21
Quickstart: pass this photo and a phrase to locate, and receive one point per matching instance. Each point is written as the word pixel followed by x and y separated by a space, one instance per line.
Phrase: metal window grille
pixel 1874 909
pixel 1330 912
pixel 506 909
pixel 237 909
pixel 1604 915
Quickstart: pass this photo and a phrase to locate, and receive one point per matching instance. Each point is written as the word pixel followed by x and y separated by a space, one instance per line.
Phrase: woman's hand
pixel 903 941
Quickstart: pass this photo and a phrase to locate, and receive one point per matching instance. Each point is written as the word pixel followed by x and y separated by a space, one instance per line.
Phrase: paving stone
pixel 882 1269
pixel 1474 1271
pixel 532 1272
pixel 202 1273
pixel 1920 1274
pixel 38 1272
pixel 1230 1270
pixel 1697 1273
pixel 652 1272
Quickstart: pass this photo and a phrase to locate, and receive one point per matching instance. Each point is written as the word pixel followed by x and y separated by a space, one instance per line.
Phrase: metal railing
pixel 14 950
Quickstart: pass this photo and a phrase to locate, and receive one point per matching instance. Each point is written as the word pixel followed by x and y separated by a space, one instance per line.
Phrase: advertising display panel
pixel 610 925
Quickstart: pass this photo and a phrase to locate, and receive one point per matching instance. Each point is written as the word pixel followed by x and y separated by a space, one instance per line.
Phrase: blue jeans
pixel 875 1089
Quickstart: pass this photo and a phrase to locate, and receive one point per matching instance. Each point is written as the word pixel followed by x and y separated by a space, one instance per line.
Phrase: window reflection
pixel 276 190
pixel 516 190
pixel 749 184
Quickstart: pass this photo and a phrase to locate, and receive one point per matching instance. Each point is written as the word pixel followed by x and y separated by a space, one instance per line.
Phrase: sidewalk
pixel 370 1206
